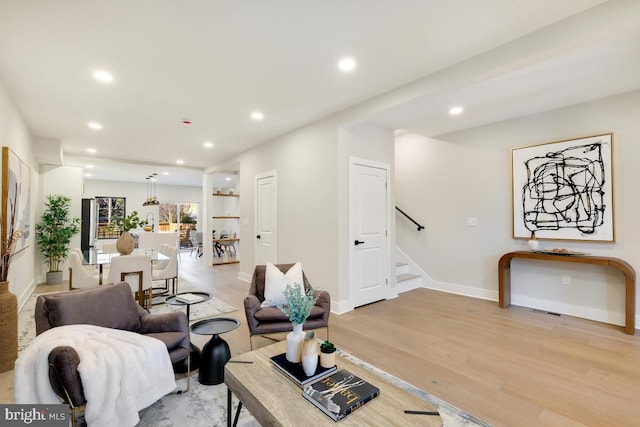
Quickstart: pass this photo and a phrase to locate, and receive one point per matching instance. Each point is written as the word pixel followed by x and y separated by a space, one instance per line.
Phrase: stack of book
pixel 295 373
pixel 188 298
pixel 339 394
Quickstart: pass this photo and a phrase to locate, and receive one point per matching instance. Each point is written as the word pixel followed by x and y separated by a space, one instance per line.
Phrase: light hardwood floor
pixel 510 367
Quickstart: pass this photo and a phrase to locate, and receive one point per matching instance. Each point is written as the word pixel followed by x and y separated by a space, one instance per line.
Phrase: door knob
pixel 358 242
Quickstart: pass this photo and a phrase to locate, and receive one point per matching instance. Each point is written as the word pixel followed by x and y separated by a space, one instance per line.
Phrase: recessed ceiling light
pixel 346 64
pixel 227 178
pixel 94 125
pixel 103 76
pixel 208 144
pixel 92 150
pixel 180 161
pixel 165 173
pixel 90 166
pixel 257 115
pixel 455 110
pixel 87 174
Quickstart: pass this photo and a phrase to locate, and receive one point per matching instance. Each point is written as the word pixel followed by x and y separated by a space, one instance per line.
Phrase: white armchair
pixel 81 276
pixel 136 271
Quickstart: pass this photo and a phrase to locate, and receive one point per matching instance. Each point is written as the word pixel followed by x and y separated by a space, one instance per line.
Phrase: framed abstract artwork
pixel 563 190
pixel 16 197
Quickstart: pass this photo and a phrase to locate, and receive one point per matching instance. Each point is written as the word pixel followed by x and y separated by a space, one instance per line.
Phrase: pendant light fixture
pixel 152 199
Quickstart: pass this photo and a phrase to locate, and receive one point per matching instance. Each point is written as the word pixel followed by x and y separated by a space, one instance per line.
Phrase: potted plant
pixel 126 243
pixel 54 233
pixel 327 354
pixel 299 305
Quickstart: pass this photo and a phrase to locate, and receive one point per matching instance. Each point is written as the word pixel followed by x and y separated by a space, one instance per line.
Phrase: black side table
pixel 215 353
pixel 181 367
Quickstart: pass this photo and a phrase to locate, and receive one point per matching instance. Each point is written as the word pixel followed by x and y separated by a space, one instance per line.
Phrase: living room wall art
pixel 16 197
pixel 563 190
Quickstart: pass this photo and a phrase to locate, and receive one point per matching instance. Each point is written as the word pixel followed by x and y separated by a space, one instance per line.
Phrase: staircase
pixel 405 280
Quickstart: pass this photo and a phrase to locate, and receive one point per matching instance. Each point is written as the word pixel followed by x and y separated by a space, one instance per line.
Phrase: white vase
pixel 294 344
pixel 533 243
pixel 309 354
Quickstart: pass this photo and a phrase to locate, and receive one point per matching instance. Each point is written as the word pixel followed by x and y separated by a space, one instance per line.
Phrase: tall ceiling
pixel 214 62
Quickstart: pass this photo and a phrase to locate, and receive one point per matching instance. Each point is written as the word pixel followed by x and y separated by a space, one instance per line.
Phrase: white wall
pixel 444 181
pixel 15 135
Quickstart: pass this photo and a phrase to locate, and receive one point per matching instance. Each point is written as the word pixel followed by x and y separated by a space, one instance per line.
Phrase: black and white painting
pixel 564 190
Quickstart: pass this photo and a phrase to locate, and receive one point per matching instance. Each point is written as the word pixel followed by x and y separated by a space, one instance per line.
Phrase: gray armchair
pixel 110 306
pixel 270 321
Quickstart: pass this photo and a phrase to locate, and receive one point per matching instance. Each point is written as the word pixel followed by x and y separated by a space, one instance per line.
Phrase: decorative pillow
pixel 275 282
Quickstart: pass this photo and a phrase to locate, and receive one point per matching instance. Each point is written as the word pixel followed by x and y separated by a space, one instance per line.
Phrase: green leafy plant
pixel 299 303
pixel 129 222
pixel 327 347
pixel 55 230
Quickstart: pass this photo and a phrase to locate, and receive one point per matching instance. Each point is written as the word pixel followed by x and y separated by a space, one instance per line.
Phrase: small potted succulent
pixel 327 354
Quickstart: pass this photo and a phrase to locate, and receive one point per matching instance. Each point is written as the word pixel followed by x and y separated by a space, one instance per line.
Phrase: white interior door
pixel 369 208
pixel 266 218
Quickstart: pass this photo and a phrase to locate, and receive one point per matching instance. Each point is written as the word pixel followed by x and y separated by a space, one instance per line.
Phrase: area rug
pixel 211 308
pixel 204 406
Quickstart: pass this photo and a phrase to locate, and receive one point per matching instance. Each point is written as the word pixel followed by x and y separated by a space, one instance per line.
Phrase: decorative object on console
pixel 533 243
pixel 327 354
pixel 298 307
pixel 564 190
pixel 54 233
pixel 309 354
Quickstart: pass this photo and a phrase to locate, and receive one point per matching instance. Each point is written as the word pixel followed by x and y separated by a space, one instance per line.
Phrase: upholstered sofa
pixel 271 320
pixel 110 306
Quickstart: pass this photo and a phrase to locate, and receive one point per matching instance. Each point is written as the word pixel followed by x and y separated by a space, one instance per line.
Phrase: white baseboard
pixel 22 299
pixel 341 307
pixel 591 313
pixel 469 291
pixel 244 277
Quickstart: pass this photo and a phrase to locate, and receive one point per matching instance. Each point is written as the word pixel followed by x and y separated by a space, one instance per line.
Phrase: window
pixel 179 216
pixel 106 209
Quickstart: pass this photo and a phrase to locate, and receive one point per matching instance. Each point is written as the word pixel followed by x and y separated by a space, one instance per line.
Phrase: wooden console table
pixel 504 278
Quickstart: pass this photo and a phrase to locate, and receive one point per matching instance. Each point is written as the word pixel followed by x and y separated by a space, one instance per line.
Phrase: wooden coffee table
pixel 275 400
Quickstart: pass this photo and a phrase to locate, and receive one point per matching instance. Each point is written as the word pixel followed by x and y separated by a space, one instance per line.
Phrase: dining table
pixel 98 258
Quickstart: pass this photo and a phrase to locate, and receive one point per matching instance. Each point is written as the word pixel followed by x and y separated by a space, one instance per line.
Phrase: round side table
pixel 215 353
pixel 181 367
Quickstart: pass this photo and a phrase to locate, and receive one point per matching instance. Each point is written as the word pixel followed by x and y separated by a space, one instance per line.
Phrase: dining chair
pixel 170 271
pixel 196 242
pixel 81 276
pixel 136 271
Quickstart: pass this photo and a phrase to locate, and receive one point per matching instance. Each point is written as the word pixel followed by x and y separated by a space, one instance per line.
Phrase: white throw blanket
pixel 122 372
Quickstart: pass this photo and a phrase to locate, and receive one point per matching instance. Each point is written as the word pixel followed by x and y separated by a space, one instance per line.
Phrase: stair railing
pixel 420 227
